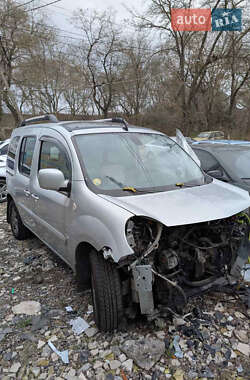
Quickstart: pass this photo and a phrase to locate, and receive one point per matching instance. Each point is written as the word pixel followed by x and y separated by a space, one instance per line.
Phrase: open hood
pixel 216 200
pixel 180 139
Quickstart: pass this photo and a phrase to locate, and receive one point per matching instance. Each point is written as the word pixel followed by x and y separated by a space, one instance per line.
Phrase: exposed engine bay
pixel 172 264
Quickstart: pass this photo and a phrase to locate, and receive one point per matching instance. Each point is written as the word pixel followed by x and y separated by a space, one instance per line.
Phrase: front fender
pixel 99 234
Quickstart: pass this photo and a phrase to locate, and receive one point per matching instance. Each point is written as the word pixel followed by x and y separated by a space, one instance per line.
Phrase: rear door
pixel 51 206
pixel 22 193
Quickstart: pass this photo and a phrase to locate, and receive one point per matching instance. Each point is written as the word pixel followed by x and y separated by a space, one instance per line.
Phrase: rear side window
pixel 208 161
pixel 12 152
pixel 13 147
pixel 26 155
pixel 54 156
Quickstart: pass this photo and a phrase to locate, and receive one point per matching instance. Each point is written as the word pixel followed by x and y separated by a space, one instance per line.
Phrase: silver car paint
pixel 97 221
pixel 216 200
pixel 63 223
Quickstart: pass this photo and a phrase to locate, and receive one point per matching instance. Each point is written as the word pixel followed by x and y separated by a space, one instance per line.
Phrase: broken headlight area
pixel 172 263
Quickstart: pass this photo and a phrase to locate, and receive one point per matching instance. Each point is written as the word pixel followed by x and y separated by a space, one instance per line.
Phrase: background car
pixel 210 135
pixel 227 162
pixel 3 156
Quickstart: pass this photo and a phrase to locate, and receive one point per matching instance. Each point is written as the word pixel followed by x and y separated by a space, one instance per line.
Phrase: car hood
pixel 216 200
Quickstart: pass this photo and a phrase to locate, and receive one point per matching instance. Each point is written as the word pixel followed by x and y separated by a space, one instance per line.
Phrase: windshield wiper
pixel 181 185
pixel 127 188
pixel 134 190
pixel 115 181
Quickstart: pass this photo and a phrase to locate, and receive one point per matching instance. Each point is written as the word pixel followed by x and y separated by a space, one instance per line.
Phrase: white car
pixel 3 157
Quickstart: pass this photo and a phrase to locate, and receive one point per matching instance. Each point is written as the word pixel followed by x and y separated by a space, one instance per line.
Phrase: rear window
pixel 26 155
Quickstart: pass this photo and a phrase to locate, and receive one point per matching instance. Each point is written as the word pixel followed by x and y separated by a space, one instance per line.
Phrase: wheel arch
pixel 82 264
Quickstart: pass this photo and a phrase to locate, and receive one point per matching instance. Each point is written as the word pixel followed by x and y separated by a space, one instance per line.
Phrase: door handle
pixel 35 197
pixel 27 193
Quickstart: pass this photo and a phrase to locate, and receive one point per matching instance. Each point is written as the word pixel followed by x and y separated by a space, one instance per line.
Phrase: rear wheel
pixel 18 229
pixel 106 293
pixel 3 190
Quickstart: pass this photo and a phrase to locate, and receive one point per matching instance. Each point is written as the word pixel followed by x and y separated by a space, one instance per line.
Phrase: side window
pixel 26 155
pixel 208 162
pixel 4 150
pixel 53 156
pixel 12 152
pixel 13 147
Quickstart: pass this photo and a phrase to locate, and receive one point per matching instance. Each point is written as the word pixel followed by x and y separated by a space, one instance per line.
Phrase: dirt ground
pixel 211 342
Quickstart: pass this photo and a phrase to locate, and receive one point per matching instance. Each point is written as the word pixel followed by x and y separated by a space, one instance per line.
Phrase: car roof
pixel 87 126
pixel 71 126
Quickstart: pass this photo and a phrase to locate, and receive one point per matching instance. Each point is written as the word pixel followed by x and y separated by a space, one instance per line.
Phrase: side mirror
pixel 218 174
pixel 51 179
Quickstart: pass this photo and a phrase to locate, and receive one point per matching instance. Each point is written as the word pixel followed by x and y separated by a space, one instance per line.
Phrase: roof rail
pixel 115 120
pixel 35 119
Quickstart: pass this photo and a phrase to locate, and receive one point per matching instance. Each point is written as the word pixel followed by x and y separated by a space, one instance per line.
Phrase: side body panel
pixel 96 221
pixel 18 185
pixel 51 207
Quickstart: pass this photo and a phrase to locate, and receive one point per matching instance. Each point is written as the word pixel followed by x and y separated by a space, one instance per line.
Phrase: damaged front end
pixel 171 264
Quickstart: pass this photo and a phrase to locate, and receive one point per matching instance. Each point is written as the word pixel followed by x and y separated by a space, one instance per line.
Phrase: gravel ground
pixel 212 341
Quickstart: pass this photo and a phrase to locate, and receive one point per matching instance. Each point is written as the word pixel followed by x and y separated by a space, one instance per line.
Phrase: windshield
pixel 141 161
pixel 204 134
pixel 238 161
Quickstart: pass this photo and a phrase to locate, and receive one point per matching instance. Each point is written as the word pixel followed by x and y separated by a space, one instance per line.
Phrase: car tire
pixel 3 190
pixel 106 293
pixel 20 232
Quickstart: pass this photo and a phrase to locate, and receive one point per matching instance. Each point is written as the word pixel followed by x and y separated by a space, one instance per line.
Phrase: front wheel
pixel 18 229
pixel 106 293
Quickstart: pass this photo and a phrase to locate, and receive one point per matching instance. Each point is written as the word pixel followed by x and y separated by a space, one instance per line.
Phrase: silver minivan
pixel 129 210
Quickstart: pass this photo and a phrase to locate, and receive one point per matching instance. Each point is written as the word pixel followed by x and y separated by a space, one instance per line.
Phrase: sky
pixel 61 12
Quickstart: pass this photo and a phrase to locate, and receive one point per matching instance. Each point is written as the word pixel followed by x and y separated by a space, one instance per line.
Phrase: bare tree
pixel 13 39
pixel 132 91
pixel 100 54
pixel 205 50
pixel 77 95
pixel 238 66
pixel 42 77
